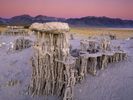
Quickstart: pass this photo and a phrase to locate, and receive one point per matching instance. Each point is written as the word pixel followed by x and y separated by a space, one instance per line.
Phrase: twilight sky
pixel 68 8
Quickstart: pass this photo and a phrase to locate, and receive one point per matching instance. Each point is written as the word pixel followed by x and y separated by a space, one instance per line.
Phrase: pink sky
pixel 68 8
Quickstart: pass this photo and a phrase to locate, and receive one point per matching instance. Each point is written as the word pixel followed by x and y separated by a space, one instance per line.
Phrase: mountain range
pixel 88 21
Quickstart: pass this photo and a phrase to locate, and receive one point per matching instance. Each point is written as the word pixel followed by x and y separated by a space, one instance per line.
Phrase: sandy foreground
pixel 113 83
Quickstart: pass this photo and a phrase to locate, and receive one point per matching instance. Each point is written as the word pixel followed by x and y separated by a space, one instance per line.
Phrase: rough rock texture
pixel 97 53
pixel 22 43
pixel 50 27
pixel 16 30
pixel 53 67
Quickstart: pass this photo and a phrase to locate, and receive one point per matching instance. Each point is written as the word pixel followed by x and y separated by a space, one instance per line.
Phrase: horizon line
pixel 66 17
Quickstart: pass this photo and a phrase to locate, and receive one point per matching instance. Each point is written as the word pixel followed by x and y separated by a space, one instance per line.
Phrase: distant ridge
pixel 88 21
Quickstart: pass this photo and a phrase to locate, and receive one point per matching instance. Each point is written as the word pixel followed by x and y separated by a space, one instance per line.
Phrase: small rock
pixel 13 82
